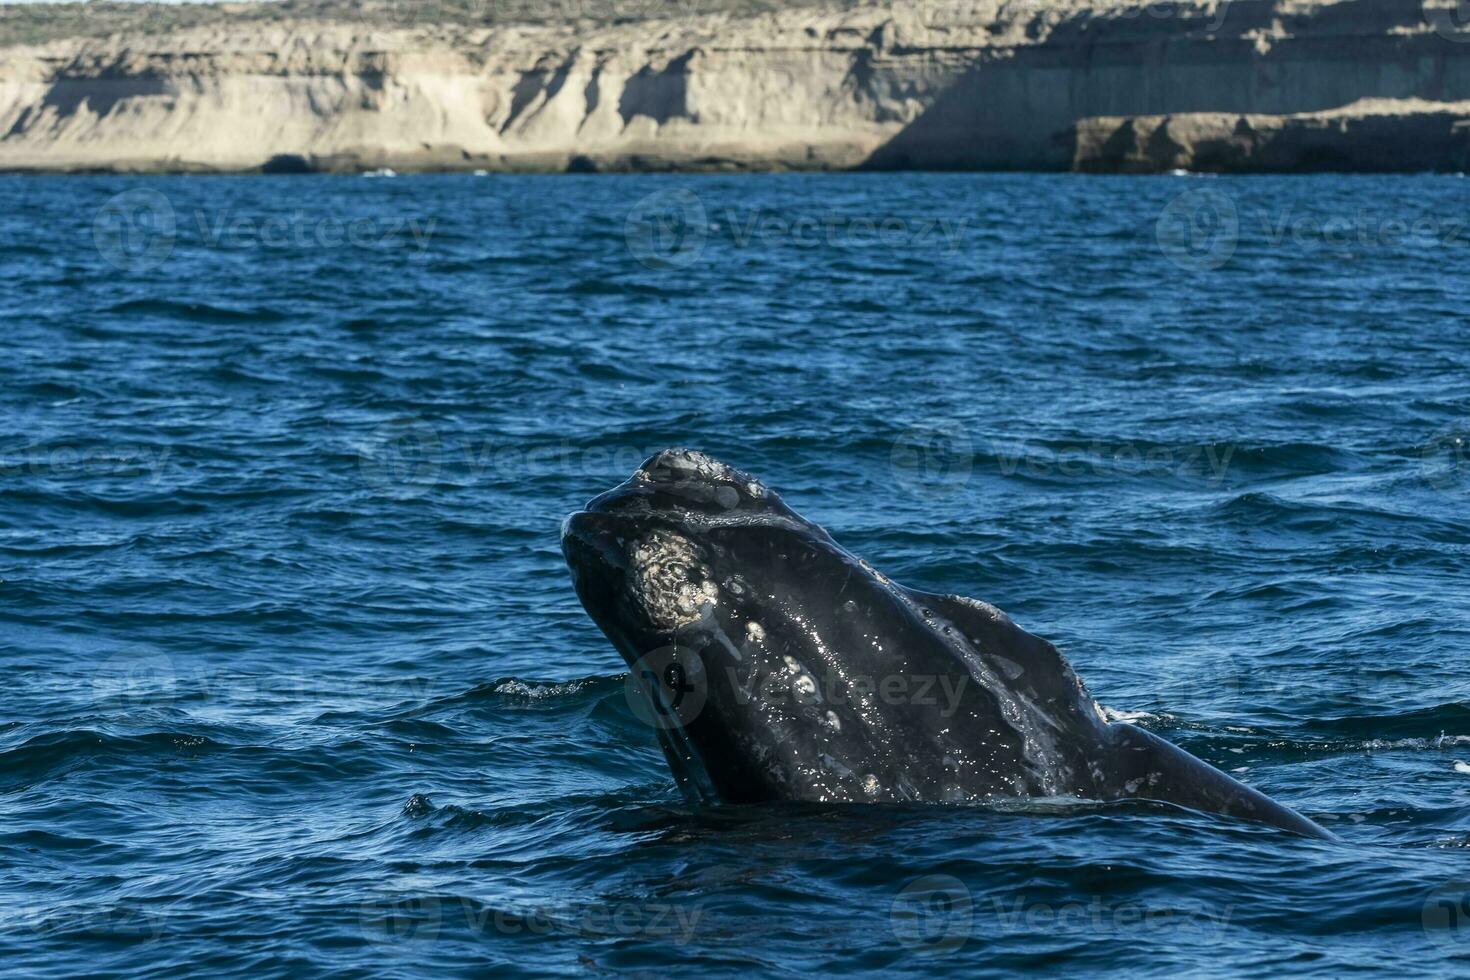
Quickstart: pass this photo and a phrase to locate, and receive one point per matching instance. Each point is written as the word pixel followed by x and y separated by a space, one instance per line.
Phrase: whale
pixel 773 664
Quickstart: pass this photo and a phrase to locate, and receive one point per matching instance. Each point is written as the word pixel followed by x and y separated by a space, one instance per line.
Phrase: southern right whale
pixel 777 665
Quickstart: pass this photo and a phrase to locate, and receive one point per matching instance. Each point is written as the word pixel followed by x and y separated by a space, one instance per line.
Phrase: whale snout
pixel 681 482
pixel 694 478
pixel 680 467
pixel 589 536
pixel 597 556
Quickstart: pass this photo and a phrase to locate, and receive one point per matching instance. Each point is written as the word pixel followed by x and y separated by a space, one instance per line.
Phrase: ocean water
pixel 296 682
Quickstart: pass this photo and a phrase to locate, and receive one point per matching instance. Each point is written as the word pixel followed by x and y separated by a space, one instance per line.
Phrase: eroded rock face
pixel 1002 84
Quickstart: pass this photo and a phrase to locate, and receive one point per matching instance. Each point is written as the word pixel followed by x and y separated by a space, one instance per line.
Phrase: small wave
pixel 517 690
pixel 1437 743
pixel 196 312
pixel 1262 746
pixel 1422 724
pixel 1257 508
pixel 602 806
pixel 539 691
pixel 1294 458
pixel 42 755
pixel 1240 740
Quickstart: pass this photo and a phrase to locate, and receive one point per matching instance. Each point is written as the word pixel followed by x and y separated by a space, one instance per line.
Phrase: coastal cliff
pixel 1093 85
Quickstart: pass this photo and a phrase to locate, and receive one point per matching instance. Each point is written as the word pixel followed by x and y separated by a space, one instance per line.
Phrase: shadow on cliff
pixel 1039 108
pixel 967 127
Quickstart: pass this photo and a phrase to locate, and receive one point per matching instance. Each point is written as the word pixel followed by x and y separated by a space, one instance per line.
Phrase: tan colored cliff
pixel 1043 84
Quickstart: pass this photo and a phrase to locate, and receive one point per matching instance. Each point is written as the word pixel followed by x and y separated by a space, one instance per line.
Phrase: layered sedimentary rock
pixel 1280 85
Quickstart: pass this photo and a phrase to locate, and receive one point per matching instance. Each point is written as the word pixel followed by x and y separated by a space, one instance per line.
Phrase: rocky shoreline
pixel 1085 85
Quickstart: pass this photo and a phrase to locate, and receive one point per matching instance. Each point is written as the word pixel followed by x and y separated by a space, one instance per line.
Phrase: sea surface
pixel 295 681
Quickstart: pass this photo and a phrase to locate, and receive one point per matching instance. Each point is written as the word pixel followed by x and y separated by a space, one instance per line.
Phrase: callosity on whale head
pixel 776 665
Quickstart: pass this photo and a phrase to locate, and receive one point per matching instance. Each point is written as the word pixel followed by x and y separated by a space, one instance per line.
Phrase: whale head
pixel 776 665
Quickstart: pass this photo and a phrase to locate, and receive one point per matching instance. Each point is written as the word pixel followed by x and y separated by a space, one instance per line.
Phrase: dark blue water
pixel 295 680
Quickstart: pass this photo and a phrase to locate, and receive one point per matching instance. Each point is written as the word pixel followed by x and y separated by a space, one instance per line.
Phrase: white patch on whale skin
pixel 991 612
pixel 669 581
pixel 694 462
pixel 803 684
pixel 697 466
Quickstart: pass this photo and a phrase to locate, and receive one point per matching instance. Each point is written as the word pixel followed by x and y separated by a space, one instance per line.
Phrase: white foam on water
pixel 539 692
pixel 1131 717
